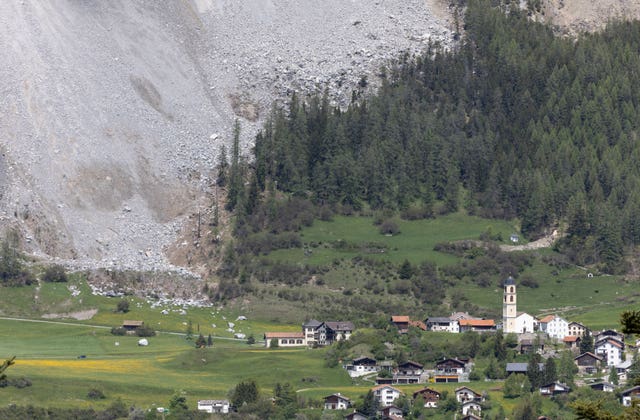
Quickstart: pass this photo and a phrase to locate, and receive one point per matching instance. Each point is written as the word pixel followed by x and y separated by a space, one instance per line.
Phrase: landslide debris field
pixel 113 112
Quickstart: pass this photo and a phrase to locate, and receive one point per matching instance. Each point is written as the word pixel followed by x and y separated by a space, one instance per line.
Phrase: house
pixel 451 370
pixel 284 339
pixel 530 342
pixel 408 373
pixel 577 329
pixel 418 324
pixel 336 402
pixel 471 407
pixel 214 406
pixel 464 394
pixel 611 349
pixel 526 323
pixel 603 386
pixel 428 397
pixel 608 333
pixel 588 362
pixel 629 395
pixel 131 326
pixel 555 326
pixel 478 325
pixel 362 366
pixel 310 330
pixel 554 388
pixel 390 412
pixel 520 368
pixel 332 331
pixel 385 394
pixel 442 324
pixel 457 316
pixel 572 342
pixel 401 322
pixel 355 416
pixel 623 368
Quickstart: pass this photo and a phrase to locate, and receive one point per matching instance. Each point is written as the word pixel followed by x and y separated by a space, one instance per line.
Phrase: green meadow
pixel 415 241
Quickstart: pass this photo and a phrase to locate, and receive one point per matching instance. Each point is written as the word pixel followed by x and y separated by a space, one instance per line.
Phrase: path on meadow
pixel 7 318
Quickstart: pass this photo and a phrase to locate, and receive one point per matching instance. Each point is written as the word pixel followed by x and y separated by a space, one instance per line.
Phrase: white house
pixel 442 324
pixel 526 323
pixel 471 407
pixel 611 349
pixel 464 394
pixel 385 394
pixel 214 406
pixel 629 395
pixel 285 339
pixel 362 366
pixel 577 329
pixel 336 402
pixel 555 326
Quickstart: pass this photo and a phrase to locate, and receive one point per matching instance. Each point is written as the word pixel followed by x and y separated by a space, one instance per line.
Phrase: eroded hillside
pixel 113 112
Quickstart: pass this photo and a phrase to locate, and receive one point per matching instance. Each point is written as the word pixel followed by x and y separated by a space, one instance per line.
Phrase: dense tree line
pixel 526 124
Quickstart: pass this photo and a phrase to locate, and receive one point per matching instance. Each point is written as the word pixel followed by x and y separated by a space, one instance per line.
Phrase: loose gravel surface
pixel 113 111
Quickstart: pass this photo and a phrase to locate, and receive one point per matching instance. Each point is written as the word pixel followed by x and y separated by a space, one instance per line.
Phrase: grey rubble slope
pixel 113 111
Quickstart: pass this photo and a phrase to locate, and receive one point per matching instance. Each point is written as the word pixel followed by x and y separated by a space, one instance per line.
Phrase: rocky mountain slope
pixel 113 112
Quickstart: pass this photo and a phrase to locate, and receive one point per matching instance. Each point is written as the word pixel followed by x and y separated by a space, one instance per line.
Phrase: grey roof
pixel 439 319
pixel 509 281
pixel 521 367
pixel 630 390
pixel 312 323
pixel 340 325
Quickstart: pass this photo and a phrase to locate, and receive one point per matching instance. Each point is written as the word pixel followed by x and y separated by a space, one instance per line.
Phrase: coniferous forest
pixel 515 122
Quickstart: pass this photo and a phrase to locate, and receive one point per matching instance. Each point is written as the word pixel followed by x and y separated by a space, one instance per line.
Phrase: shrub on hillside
pixel 145 331
pixel 389 227
pixel 118 331
pixel 54 274
pixel 95 394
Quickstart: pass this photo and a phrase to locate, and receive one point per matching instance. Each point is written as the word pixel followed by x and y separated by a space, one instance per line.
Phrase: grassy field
pixel 415 241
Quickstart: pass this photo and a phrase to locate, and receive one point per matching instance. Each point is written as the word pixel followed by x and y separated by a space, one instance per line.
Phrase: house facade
pixel 401 322
pixel 525 323
pixel 285 339
pixel 611 349
pixel 332 331
pixel 577 329
pixel 588 362
pixel 555 326
pixel 509 306
pixel 336 402
pixel 362 366
pixel 408 373
pixel 214 406
pixel 310 330
pixel 464 394
pixel 629 395
pixel 442 324
pixel 471 407
pixel 554 388
pixel 451 370
pixel 385 394
pixel 429 398
pixel 477 325
pixel 572 342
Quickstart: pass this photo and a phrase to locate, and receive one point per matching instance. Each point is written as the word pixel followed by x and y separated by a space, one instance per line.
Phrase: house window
pixel 512 289
pixel 511 298
pixel 299 341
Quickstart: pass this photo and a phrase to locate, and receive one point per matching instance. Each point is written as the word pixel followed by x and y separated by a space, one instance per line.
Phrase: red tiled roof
pixel 547 319
pixel 477 323
pixel 418 324
pixel 269 335
pixel 570 339
pixel 375 388
pixel 400 318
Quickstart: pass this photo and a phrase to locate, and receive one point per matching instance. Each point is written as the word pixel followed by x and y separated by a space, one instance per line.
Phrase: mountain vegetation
pixel 513 123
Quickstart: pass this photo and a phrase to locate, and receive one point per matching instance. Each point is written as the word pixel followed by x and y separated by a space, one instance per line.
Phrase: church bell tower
pixel 509 312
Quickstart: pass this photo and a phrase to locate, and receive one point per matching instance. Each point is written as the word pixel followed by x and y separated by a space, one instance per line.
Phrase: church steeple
pixel 509 312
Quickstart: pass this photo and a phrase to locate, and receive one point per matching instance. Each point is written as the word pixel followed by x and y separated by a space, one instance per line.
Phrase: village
pixel 609 356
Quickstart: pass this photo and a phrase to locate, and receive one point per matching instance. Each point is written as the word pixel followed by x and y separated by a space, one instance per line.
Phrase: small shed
pixel 131 326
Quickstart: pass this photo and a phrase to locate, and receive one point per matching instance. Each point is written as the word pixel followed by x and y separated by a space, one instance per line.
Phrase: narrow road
pixel 6 318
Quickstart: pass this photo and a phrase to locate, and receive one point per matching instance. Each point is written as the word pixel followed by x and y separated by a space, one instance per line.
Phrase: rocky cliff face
pixel 113 111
